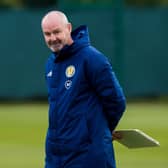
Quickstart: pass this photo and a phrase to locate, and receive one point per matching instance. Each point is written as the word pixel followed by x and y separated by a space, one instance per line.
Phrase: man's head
pixel 56 30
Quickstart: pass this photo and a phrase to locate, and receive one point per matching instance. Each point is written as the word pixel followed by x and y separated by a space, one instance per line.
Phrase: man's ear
pixel 69 27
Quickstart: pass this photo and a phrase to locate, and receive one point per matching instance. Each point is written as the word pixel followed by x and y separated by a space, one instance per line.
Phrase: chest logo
pixel 49 74
pixel 70 71
pixel 68 84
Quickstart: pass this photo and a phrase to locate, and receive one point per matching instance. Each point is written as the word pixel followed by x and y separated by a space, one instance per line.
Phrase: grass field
pixel 23 128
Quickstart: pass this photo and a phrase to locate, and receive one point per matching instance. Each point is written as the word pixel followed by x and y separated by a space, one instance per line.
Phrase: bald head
pixel 56 16
pixel 56 30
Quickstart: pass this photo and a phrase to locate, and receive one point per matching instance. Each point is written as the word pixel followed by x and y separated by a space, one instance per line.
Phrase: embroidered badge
pixel 70 71
pixel 68 84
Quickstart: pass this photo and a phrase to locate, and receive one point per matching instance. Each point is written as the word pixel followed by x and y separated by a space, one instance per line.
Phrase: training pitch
pixel 23 128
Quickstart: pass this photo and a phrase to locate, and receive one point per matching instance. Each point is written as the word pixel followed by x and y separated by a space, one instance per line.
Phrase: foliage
pixel 146 2
pixel 26 3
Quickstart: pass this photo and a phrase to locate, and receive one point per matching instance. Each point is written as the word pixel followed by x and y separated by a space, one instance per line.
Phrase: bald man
pixel 85 98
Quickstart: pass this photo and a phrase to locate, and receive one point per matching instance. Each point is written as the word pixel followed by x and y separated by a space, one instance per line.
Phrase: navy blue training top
pixel 85 98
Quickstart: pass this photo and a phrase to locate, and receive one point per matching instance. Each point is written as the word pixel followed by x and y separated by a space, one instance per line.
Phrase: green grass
pixel 152 119
pixel 23 128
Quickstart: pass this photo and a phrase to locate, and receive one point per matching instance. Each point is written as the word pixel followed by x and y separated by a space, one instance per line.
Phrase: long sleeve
pixel 105 84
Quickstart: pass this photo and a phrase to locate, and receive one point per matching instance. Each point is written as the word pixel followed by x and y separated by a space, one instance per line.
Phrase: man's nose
pixel 53 37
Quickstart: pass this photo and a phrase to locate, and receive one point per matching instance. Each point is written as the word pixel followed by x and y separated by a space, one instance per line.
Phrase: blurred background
pixel 133 34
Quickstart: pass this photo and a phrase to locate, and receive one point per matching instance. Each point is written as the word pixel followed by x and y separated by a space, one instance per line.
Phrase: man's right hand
pixel 117 135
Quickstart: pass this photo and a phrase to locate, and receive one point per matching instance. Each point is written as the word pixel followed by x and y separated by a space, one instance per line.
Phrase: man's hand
pixel 116 135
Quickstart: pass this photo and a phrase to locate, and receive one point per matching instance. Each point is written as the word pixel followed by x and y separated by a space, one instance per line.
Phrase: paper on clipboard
pixel 134 138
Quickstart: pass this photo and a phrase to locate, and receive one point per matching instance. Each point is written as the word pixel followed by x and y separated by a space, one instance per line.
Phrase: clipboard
pixel 135 138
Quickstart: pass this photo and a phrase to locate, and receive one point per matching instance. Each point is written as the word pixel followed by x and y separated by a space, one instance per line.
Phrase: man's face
pixel 56 34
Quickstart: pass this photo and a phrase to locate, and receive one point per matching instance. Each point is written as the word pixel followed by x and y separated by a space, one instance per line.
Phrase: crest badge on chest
pixel 70 71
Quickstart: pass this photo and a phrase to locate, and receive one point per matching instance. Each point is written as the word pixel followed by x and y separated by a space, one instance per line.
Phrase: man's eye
pixel 57 32
pixel 47 34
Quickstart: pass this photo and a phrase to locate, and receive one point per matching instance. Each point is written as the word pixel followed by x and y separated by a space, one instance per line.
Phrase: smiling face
pixel 56 31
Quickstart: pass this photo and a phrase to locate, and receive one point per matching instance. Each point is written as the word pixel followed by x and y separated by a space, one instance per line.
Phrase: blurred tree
pixel 85 2
pixel 146 2
pixel 47 3
pixel 92 1
pixel 11 3
pixel 27 3
pixel 39 3
pixel 139 3
pixel 164 2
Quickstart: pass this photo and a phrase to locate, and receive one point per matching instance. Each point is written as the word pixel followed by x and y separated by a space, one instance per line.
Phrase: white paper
pixel 134 138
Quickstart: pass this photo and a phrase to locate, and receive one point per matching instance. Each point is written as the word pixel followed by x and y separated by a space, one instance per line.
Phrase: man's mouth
pixel 56 45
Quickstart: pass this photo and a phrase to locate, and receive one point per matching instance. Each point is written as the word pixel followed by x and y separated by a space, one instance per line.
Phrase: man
pixel 86 101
